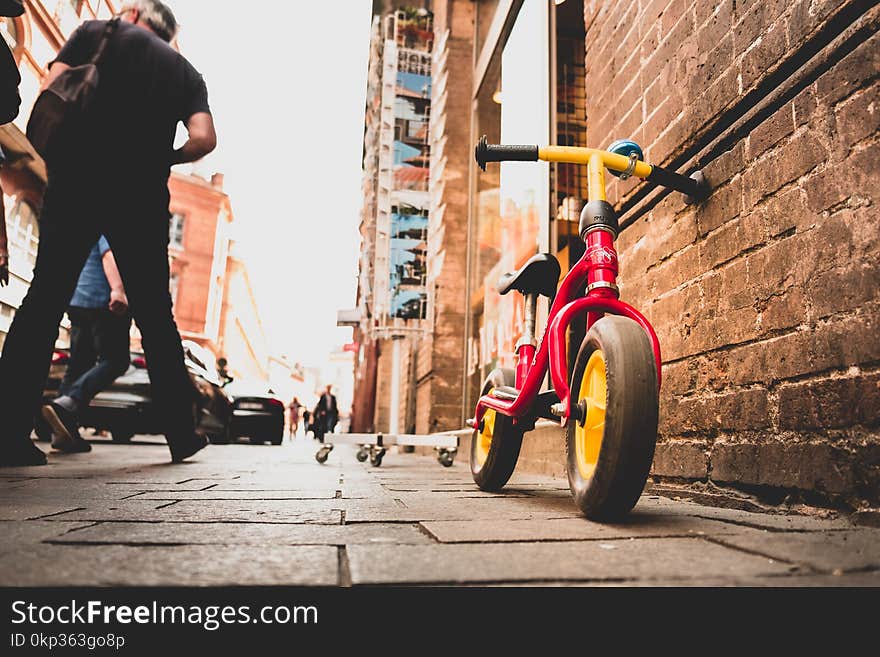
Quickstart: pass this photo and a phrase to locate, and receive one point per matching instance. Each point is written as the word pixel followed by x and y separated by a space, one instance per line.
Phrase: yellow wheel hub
pixel 484 437
pixel 592 394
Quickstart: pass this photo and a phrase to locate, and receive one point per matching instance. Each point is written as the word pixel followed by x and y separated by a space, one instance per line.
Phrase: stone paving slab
pixel 30 511
pixel 122 515
pixel 140 533
pixel 773 522
pixel 52 565
pixel 216 494
pixel 641 525
pixel 836 551
pixel 634 561
pixel 15 536
pixel 278 511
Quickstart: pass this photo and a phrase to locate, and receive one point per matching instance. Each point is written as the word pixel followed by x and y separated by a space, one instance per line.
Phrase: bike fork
pixel 525 348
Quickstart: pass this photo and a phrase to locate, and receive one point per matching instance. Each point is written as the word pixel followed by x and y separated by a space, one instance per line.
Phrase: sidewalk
pixel 263 515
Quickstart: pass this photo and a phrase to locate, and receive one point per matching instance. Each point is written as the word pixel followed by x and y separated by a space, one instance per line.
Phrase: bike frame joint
pixel 596 215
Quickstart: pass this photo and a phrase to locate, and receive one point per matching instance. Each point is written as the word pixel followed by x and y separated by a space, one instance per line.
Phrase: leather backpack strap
pixel 112 24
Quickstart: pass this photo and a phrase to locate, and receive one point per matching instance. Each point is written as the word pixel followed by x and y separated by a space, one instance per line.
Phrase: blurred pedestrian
pixel 327 410
pixel 294 410
pixel 99 346
pixel 125 141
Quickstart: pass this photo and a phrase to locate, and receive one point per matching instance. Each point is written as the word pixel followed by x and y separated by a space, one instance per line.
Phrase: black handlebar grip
pixel 695 188
pixel 486 152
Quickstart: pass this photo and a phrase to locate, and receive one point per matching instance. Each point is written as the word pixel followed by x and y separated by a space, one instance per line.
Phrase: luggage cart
pixel 373 445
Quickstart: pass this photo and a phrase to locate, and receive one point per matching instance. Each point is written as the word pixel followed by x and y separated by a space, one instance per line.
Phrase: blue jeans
pixel 99 353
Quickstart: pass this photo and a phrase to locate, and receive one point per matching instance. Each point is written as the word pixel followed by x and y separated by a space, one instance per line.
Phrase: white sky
pixel 287 86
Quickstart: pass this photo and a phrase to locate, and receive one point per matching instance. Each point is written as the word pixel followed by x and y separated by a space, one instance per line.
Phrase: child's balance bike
pixel 609 408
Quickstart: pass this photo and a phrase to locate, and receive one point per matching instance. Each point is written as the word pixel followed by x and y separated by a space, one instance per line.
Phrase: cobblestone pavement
pixel 262 515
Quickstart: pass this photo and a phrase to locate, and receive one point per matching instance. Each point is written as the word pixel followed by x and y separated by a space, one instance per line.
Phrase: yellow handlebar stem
pixel 575 155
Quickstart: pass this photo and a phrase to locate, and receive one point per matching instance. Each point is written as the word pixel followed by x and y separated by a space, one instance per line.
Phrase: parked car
pixel 126 407
pixel 257 413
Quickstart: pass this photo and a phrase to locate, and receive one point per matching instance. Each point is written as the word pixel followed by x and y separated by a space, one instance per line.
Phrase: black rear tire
pixel 607 486
pixel 495 448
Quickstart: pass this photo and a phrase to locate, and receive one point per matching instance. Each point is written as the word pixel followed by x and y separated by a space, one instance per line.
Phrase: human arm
pixel 202 139
pixel 118 299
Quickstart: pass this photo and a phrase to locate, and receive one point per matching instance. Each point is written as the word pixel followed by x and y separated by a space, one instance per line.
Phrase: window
pixel 173 286
pixel 175 230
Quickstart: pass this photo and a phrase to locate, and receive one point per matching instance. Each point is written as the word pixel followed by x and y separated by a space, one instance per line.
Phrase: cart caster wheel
pixel 446 457
pixel 361 455
pixel 321 456
pixel 376 457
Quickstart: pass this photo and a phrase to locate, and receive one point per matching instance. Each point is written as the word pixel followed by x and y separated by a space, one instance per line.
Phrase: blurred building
pixel 392 292
pixel 34 39
pixel 242 340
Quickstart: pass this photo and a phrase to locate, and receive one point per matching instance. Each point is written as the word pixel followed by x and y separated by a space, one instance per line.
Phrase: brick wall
pixel 765 297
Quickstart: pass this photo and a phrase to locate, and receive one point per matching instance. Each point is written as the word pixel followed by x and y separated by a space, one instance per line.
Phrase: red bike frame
pixel 599 263
pixel 597 269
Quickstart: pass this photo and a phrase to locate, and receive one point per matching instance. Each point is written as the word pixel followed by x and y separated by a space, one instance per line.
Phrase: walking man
pixel 328 410
pixel 146 89
pixel 99 346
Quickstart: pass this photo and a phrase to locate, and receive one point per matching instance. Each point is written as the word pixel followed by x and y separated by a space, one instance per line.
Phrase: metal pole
pixel 394 410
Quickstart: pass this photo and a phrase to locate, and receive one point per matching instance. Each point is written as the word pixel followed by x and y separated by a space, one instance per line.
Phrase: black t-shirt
pixel 145 89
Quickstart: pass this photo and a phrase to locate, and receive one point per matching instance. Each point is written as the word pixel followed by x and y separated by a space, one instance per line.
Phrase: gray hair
pixel 155 14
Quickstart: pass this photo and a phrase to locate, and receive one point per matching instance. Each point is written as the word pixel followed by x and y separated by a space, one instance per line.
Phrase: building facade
pixel 765 296
pixel 392 292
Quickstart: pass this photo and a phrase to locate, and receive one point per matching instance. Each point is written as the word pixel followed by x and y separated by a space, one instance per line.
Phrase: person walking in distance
pixel 146 89
pixel 327 410
pixel 99 346
pixel 294 409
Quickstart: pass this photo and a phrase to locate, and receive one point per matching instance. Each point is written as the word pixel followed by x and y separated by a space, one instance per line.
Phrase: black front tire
pixel 609 487
pixel 495 447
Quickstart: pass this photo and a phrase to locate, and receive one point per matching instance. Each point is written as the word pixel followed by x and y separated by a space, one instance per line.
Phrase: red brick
pixel 725 166
pixel 855 70
pixel 688 460
pixel 740 410
pixel 730 240
pixel 830 403
pixel 806 16
pixel 805 466
pixel 844 288
pixel 787 163
pixel 754 22
pixel 770 132
pixel 763 58
pixel 724 204
pixel 858 117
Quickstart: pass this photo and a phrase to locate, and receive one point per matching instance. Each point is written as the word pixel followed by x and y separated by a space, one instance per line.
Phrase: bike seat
pixel 539 276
